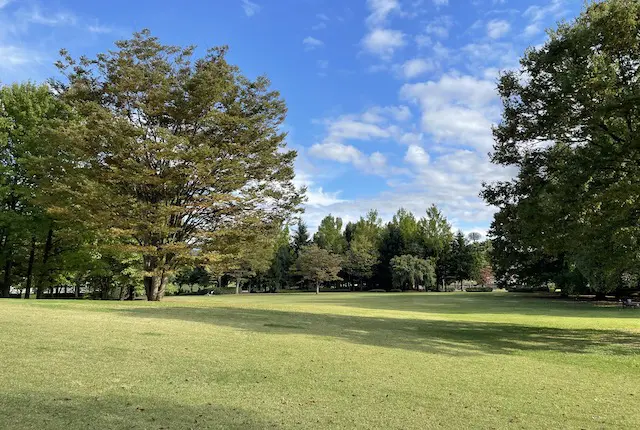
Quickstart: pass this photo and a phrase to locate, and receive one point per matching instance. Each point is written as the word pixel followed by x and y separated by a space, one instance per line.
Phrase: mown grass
pixel 461 360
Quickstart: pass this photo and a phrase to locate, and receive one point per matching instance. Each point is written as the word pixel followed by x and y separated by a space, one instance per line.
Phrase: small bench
pixel 628 303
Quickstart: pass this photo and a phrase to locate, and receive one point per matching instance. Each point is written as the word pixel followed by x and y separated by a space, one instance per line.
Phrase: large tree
pixel 570 126
pixel 176 149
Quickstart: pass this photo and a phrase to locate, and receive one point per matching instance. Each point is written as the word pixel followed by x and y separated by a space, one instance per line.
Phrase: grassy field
pixel 460 360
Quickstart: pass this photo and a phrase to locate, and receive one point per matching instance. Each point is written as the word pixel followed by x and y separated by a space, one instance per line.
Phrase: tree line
pixel 406 253
pixel 571 216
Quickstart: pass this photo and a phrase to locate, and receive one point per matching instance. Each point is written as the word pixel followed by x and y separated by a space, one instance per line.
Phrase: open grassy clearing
pixel 458 360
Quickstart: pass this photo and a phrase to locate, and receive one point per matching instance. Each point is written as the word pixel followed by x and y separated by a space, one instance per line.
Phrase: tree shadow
pixel 432 336
pixel 40 410
pixel 473 303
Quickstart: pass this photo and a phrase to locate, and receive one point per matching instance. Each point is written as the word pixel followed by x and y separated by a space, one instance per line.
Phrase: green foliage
pixel 329 235
pixel 570 130
pixel 316 265
pixel 410 271
pixel 183 149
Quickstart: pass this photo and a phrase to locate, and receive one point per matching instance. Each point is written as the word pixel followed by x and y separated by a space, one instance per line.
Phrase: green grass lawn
pixel 460 360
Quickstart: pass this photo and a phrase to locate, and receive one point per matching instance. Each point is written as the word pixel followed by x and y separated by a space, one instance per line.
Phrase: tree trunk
pixel 122 290
pixel 317 287
pixel 132 293
pixel 32 257
pixel 237 285
pixel 6 282
pixel 77 290
pixel 44 276
pixel 162 286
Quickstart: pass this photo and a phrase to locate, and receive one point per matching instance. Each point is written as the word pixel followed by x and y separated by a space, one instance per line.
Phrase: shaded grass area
pixel 330 361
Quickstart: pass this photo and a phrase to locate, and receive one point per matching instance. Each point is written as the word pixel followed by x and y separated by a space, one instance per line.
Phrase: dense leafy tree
pixel 412 271
pixel 316 266
pixel 569 127
pixel 177 149
pixel 329 235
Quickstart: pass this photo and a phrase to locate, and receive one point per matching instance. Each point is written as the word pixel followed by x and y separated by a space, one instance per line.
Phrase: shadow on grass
pixel 37 410
pixel 473 303
pixel 432 336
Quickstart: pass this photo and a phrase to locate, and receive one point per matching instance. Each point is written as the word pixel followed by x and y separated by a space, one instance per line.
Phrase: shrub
pixel 479 289
pixel 395 290
pixel 377 291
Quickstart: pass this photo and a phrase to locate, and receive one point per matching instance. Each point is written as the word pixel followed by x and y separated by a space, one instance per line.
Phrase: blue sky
pixel 390 101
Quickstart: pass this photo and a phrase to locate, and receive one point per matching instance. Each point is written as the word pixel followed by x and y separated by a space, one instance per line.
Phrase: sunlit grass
pixel 330 361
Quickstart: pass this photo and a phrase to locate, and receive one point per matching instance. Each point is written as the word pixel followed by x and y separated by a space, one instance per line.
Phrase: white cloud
pixel 99 29
pixel 537 14
pixel 14 56
pixel 319 26
pixel 250 8
pixel 458 110
pixel 380 10
pixel 312 43
pixel 4 3
pixel 417 156
pixel 35 15
pixel 322 17
pixel 497 28
pixel 416 67
pixel 532 30
pixel 441 2
pixel 383 42
pixel 348 154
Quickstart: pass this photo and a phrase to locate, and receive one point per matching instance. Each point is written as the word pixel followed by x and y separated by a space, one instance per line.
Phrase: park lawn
pixel 361 360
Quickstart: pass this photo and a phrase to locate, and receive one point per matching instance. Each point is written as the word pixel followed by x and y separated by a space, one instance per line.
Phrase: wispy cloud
pixel 100 29
pixel 250 8
pixel 497 28
pixel 311 43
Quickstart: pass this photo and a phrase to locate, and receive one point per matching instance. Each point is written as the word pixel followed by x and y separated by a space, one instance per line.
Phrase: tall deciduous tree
pixel 570 127
pixel 176 149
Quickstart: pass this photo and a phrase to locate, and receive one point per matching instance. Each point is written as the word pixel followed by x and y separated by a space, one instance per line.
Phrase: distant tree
pixel 349 229
pixel 412 271
pixel 461 258
pixel 361 258
pixel 329 235
pixel 278 274
pixel 436 236
pixel 474 237
pixel 317 265
pixel 301 238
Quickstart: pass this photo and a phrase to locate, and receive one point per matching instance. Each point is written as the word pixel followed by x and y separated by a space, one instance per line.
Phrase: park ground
pixel 451 361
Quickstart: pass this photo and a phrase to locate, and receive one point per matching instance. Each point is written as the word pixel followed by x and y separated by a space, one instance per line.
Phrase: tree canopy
pixel 569 127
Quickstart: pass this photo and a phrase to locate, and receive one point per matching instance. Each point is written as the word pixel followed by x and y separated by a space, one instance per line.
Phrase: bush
pixel 479 289
pixel 395 290
pixel 377 291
